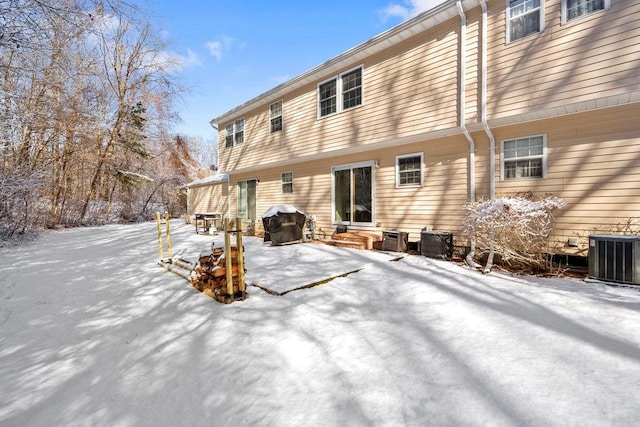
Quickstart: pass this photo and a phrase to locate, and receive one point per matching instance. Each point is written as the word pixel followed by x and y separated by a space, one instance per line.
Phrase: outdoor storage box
pixel 436 244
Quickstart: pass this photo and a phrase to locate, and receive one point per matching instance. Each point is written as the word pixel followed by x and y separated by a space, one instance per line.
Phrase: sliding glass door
pixel 353 188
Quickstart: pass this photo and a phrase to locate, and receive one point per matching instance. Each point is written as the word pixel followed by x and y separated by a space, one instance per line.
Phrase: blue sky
pixel 234 50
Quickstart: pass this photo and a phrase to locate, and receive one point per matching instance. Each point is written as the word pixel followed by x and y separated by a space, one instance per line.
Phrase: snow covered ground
pixel 93 332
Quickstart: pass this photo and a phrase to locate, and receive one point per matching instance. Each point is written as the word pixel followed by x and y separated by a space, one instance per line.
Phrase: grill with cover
pixel 283 224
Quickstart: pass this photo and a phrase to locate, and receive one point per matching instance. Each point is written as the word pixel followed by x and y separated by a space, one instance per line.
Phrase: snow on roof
pixel 213 179
pixel 276 209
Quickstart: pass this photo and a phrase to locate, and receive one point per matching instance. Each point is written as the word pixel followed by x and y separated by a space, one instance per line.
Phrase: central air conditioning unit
pixel 615 258
pixel 436 244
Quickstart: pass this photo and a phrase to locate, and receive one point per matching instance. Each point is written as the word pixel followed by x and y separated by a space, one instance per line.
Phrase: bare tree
pixel 86 99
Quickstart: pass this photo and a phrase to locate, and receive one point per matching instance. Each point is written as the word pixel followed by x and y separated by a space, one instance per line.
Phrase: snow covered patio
pixel 93 332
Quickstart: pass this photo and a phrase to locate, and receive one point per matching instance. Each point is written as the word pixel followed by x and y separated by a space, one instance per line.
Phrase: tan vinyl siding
pixel 473 52
pixel 312 185
pixel 437 204
pixel 207 198
pixel 593 164
pixel 591 57
pixel 408 89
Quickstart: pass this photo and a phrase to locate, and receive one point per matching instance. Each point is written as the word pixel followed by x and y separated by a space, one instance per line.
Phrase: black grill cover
pixel 283 224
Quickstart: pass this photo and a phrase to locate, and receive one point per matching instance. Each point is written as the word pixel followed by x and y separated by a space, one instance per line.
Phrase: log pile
pixel 209 276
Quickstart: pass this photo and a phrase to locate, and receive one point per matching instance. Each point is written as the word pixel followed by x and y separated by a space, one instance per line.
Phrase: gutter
pixel 483 104
pixel 461 102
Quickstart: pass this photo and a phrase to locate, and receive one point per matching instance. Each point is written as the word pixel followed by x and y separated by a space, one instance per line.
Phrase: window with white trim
pixel 351 88
pixel 409 170
pixel 340 93
pixel 287 182
pixel 524 17
pixel 572 9
pixel 234 133
pixel 524 157
pixel 327 98
pixel 275 116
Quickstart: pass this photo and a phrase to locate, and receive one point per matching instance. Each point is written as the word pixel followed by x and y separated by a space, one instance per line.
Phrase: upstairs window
pixel 409 170
pixel 340 93
pixel 572 9
pixel 352 89
pixel 524 157
pixel 287 182
pixel 234 133
pixel 524 17
pixel 327 96
pixel 275 116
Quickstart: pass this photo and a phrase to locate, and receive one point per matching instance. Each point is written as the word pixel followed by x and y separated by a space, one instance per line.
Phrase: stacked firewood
pixel 210 276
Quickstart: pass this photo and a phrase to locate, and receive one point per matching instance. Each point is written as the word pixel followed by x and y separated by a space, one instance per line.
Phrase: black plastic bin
pixel 283 224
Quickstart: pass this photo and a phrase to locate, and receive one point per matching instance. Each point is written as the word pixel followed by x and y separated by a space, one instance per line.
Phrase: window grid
pixel 523 157
pixel 287 182
pixel 524 18
pixel 229 137
pixel 577 8
pixel 328 98
pixel 275 116
pixel 340 93
pixel 409 170
pixel 234 133
pixel 352 89
pixel 239 132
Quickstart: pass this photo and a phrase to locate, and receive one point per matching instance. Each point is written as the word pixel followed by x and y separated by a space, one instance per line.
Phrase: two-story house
pixel 470 100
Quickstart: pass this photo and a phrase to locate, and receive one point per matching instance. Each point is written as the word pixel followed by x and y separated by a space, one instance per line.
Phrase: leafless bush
pixel 20 205
pixel 515 228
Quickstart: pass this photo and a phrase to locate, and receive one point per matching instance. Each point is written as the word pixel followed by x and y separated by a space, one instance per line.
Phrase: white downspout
pixel 483 105
pixel 463 126
pixel 461 103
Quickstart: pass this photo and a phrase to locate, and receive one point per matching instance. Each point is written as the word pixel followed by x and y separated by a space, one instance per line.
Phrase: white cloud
pixel 176 62
pixel 217 47
pixel 408 8
pixel 191 60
